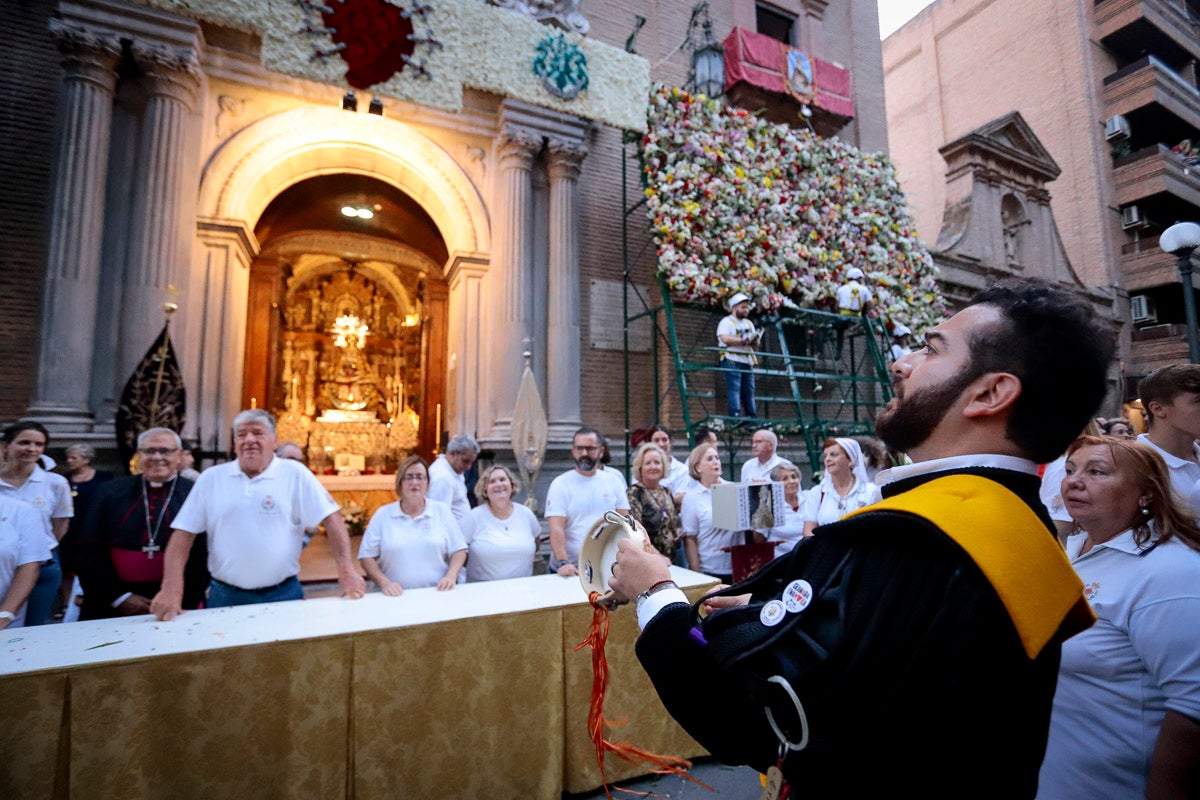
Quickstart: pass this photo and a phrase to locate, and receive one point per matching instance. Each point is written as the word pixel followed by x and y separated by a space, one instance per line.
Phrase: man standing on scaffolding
pixel 738 338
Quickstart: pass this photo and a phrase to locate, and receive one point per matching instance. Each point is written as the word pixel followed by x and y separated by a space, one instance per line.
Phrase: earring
pixel 1145 511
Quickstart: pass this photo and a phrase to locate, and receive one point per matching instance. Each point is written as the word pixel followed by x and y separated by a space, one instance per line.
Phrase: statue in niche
pixel 1013 220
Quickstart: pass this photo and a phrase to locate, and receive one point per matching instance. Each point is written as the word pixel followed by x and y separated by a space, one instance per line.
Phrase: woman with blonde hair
pixel 1126 719
pixel 650 501
pixel 414 542
pixel 504 539
pixel 707 547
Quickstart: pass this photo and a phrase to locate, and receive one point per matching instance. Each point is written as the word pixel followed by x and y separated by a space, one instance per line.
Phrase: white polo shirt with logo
pixel 1184 474
pixel 1118 678
pixel 256 525
pixel 50 495
pixel 582 500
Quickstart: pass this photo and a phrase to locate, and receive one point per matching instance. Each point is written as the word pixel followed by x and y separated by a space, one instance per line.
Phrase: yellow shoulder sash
pixel 1030 573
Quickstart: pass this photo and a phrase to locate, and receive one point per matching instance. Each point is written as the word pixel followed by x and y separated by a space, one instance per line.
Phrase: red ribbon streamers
pixel 597 636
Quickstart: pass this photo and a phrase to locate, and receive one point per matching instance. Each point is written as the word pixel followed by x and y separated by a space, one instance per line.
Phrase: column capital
pixel 815 8
pixel 87 54
pixel 566 158
pixel 518 146
pixel 171 71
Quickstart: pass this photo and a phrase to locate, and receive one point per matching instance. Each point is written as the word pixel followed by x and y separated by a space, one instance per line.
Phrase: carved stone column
pixel 156 258
pixel 76 226
pixel 513 288
pixel 563 354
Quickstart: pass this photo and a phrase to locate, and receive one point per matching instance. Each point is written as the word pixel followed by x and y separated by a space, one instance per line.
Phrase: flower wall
pixel 741 204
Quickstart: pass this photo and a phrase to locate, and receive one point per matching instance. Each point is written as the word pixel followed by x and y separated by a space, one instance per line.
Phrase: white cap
pixel 854 273
pixel 739 297
pixel 900 330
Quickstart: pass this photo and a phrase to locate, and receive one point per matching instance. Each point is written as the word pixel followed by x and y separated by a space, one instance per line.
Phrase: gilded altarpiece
pixel 351 372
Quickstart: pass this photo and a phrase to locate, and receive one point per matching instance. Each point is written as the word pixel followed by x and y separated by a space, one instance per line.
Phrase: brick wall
pixel 29 97
pixel 959 65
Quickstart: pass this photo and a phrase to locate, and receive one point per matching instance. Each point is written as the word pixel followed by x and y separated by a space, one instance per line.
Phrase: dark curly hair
pixel 1052 340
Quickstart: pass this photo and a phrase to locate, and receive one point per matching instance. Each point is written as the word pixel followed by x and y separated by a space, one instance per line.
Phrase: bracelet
pixel 557 563
pixel 658 587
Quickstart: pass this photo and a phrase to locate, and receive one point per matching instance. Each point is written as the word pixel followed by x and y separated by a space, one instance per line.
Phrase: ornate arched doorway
pixel 270 222
pixel 346 322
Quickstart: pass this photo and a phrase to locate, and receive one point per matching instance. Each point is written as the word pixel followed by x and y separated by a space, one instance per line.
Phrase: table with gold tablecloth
pixel 477 692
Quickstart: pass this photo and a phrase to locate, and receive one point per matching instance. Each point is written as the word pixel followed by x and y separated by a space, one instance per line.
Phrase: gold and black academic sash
pixel 1011 546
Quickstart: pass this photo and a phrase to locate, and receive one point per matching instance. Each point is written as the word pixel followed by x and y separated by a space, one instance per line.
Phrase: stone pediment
pixel 1007 145
pixel 998 219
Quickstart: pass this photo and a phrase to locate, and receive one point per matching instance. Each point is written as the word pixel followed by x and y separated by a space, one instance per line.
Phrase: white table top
pixel 50 647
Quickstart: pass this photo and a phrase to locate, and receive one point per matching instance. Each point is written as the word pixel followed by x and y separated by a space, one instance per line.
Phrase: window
pixel 775 23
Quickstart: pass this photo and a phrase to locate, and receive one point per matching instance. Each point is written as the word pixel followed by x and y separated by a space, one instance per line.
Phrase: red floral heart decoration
pixel 375 38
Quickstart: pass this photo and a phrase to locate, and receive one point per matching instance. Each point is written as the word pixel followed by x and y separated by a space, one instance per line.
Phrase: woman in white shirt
pixel 844 486
pixel 504 541
pixel 707 548
pixel 414 542
pixel 790 529
pixel 22 478
pixel 1126 718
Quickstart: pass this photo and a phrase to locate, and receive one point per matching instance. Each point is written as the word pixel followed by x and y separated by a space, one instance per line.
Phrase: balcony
pixel 756 78
pixel 1155 171
pixel 1145 266
pixel 1153 97
pixel 1157 346
pixel 1168 28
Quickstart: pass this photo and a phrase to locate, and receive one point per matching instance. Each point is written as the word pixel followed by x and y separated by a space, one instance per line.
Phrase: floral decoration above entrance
pixel 375 38
pixel 562 66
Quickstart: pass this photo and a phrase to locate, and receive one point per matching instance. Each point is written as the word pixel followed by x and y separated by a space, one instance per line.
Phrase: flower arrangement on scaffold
pixel 742 204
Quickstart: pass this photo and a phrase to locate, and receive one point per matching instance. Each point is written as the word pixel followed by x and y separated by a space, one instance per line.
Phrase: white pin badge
pixel 797 595
pixel 772 614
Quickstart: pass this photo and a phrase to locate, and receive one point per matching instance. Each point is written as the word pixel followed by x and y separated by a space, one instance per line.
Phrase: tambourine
pixel 598 554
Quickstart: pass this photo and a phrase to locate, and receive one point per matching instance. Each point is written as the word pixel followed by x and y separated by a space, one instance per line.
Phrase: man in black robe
pixel 892 654
pixel 129 526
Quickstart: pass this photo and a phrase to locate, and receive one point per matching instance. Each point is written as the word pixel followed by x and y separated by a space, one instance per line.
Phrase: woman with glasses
pixel 415 542
pixel 22 478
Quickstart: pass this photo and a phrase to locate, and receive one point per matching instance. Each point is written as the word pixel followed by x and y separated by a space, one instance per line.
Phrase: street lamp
pixel 1180 240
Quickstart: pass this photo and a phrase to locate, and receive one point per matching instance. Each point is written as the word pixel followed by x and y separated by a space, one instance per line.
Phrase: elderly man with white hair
pixel 762 445
pixel 446 481
pixel 255 510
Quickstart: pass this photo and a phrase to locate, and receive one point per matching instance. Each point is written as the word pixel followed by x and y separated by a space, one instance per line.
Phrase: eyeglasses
pixel 158 451
pixel 417 478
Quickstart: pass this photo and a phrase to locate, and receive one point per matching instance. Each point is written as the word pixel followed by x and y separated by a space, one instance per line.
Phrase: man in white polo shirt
pixel 1171 397
pixel 254 510
pixel 762 445
pixel 578 498
pixel 446 481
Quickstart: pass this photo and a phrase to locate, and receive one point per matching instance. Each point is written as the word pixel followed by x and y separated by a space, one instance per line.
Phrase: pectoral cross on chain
pixel 150 550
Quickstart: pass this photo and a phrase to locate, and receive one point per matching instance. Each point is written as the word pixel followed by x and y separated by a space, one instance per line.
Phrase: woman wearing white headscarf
pixel 843 488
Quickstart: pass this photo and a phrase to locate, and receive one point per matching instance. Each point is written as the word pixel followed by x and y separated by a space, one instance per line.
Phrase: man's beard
pixel 913 418
pixel 585 463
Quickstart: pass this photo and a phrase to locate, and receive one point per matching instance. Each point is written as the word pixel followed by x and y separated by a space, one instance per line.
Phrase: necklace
pixel 152 546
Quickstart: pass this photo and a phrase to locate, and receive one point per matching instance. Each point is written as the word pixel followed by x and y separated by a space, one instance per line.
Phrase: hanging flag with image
pixel 154 396
pixel 799 72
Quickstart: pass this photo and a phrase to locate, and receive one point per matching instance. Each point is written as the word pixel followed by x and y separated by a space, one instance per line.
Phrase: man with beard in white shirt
pixel 578 498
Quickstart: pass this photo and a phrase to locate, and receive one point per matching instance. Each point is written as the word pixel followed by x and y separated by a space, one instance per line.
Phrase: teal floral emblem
pixel 562 66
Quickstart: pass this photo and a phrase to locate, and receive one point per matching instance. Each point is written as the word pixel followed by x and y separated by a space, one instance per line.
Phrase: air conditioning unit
pixel 1141 309
pixel 1116 128
pixel 1131 217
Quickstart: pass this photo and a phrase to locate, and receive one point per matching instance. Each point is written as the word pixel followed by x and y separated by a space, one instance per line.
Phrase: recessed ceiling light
pixel 365 213
pixel 350 211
